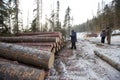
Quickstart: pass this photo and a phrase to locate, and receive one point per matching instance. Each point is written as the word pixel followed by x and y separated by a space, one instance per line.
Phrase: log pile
pixel 28 39
pixel 14 71
pixel 27 55
pixel 39 39
pixel 47 34
pixel 34 50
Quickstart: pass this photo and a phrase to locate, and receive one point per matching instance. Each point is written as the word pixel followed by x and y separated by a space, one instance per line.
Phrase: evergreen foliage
pixel 108 16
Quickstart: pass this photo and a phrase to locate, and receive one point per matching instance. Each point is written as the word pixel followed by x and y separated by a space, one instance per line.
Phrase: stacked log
pixel 27 55
pixel 38 44
pixel 32 49
pixel 48 34
pixel 41 39
pixel 28 39
pixel 41 46
pixel 45 48
pixel 14 71
pixel 45 34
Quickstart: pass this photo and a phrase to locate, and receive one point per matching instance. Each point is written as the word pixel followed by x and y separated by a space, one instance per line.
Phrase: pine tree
pixel 67 18
pixel 117 12
pixel 58 27
pixel 3 17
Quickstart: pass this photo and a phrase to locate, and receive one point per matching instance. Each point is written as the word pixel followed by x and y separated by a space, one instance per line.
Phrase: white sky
pixel 81 10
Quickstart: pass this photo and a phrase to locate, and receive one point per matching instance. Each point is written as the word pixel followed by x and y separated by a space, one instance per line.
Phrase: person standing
pixel 103 35
pixel 73 39
pixel 108 35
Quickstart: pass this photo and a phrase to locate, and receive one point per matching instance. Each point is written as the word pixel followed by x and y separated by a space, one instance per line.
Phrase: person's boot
pixel 71 48
pixel 75 47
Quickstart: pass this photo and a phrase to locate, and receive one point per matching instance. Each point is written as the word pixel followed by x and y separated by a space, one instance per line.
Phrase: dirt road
pixel 82 64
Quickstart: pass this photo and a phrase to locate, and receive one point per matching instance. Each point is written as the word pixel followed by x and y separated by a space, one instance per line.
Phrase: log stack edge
pixel 34 51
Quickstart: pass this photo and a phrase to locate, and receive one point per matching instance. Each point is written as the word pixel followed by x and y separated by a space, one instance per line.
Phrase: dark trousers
pixel 73 45
pixel 102 39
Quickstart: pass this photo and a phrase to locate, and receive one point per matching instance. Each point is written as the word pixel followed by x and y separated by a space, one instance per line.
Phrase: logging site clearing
pixel 59 39
pixel 48 56
pixel 84 64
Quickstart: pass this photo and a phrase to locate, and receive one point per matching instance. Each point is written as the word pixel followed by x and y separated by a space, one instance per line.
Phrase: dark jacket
pixel 73 36
pixel 103 33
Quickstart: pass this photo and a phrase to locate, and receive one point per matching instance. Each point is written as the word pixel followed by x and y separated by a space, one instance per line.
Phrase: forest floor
pixel 83 64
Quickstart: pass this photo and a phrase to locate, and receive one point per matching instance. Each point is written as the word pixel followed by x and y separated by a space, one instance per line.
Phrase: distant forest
pixel 109 16
pixel 11 20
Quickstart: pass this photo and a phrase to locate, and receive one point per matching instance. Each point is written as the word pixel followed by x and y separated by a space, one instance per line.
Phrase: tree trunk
pixel 38 33
pixel 14 71
pixel 37 44
pixel 52 44
pixel 45 48
pixel 50 35
pixel 108 60
pixel 29 39
pixel 27 55
pixel 52 50
pixel 40 46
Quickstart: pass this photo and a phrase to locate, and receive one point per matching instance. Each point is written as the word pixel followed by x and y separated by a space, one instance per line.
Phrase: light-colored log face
pixel 53 51
pixel 42 76
pixel 51 60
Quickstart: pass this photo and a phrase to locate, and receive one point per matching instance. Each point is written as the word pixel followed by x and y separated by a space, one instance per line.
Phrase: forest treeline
pixel 11 20
pixel 109 16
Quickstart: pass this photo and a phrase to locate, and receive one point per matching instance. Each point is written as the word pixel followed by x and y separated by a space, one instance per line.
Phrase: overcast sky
pixel 84 9
pixel 81 10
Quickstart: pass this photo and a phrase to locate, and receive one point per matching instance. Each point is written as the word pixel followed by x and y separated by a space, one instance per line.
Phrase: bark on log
pixel 52 44
pixel 29 39
pixel 50 35
pixel 52 50
pixel 37 33
pixel 12 71
pixel 27 55
pixel 37 44
pixel 108 60
pixel 45 48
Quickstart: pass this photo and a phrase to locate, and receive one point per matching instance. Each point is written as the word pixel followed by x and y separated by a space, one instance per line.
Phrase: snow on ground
pixel 83 64
pixel 113 50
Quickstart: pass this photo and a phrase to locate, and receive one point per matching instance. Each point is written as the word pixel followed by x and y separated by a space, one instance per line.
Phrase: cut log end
pixel 51 61
pixel 53 51
pixel 42 75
